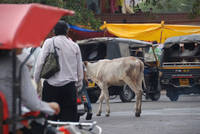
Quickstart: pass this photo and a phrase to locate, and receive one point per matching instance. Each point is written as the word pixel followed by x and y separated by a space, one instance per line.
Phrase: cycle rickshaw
pixel 27 25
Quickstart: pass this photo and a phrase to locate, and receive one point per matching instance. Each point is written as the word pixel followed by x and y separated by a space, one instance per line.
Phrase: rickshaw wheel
pixel 126 94
pixel 173 95
pixel 155 96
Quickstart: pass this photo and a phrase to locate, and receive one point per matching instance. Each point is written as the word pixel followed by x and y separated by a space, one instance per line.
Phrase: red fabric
pixel 81 35
pixel 5 112
pixel 64 130
pixel 78 101
pixel 25 122
pixel 103 7
pixel 32 114
pixel 24 25
pixel 113 6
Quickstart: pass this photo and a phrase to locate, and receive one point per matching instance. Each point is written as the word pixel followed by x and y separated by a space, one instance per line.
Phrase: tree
pixel 82 16
pixel 196 8
pixel 171 6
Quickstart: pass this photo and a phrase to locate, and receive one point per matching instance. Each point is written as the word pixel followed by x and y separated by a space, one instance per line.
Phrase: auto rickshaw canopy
pixel 109 47
pixel 194 38
pixel 24 25
pixel 150 31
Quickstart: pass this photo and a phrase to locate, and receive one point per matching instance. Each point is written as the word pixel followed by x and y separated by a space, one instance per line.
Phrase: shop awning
pixel 150 31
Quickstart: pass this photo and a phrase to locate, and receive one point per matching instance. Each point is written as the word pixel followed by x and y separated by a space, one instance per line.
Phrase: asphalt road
pixel 161 117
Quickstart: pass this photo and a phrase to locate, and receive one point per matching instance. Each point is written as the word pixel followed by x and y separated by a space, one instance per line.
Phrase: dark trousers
pixel 84 91
pixel 66 97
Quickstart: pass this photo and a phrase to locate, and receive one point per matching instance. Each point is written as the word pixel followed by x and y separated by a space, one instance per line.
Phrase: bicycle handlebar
pixel 81 124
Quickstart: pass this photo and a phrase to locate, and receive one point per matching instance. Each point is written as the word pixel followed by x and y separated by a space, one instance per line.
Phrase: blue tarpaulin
pixel 80 29
pixel 78 33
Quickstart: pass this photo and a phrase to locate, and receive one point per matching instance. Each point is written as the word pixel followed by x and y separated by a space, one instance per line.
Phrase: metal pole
pixel 16 104
pixel 19 79
pixel 14 114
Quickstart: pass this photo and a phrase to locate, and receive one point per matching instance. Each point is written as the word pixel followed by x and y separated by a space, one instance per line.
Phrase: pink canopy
pixel 24 25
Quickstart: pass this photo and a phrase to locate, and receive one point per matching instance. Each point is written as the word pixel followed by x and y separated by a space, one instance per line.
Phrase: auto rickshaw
pixel 180 66
pixel 94 49
pixel 26 25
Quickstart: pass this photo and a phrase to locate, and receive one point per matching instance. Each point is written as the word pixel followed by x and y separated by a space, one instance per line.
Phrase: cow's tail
pixel 142 76
pixel 144 84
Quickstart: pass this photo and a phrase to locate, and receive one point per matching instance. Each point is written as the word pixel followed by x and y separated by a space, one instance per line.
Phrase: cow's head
pixel 86 63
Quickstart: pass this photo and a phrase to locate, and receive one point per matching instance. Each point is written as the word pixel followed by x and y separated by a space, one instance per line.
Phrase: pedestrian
pixel 84 91
pixel 29 97
pixel 61 87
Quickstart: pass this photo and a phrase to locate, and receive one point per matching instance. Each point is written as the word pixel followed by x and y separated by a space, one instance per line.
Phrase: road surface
pixel 161 117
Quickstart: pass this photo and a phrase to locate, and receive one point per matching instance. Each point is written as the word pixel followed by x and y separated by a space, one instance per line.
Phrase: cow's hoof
pixel 107 115
pixel 137 114
pixel 98 114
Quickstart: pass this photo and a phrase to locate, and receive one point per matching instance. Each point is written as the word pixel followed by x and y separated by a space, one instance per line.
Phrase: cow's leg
pixel 101 98
pixel 139 97
pixel 138 102
pixel 138 93
pixel 106 95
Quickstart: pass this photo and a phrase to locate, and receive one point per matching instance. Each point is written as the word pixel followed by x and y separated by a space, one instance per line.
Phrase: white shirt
pixel 24 54
pixel 29 97
pixel 70 61
pixel 32 60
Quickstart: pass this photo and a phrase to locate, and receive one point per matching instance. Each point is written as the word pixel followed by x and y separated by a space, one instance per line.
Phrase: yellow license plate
pixel 184 82
pixel 91 84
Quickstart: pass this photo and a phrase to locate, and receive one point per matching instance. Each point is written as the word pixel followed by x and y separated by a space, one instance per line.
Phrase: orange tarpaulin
pixel 24 25
pixel 150 32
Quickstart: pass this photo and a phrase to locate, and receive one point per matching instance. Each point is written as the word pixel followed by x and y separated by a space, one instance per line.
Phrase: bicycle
pixel 56 127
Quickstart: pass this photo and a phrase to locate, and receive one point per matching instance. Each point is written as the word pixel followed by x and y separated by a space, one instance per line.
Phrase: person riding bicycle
pixel 29 96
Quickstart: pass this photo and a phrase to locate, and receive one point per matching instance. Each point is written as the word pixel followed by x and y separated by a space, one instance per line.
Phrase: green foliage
pixel 196 8
pixel 82 16
pixel 171 6
pixel 16 1
pixel 57 3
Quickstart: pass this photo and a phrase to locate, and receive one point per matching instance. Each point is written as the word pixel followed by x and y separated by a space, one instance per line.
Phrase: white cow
pixel 117 72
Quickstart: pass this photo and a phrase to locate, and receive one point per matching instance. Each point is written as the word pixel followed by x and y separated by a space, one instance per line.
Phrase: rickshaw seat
pixel 3 114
